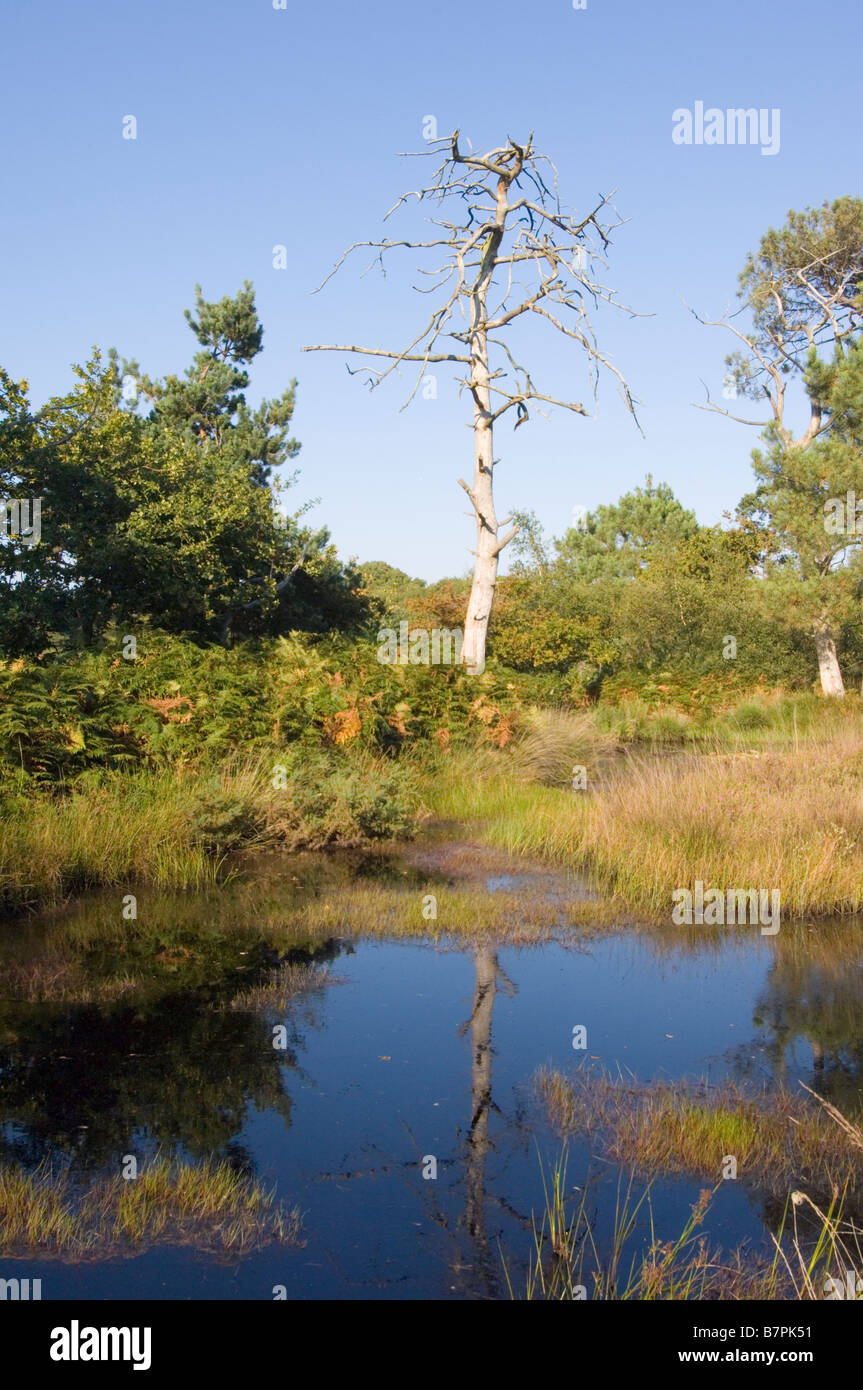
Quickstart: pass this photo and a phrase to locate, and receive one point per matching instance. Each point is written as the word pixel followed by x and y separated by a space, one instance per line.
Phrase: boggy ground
pixel 769 797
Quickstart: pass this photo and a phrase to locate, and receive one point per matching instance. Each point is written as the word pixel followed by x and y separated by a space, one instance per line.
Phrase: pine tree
pixel 209 403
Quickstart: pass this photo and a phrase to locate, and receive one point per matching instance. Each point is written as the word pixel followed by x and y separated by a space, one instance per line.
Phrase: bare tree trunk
pixel 488 547
pixel 828 663
pixel 482 496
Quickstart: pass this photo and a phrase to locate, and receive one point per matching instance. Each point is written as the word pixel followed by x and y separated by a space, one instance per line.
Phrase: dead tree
pixel 509 222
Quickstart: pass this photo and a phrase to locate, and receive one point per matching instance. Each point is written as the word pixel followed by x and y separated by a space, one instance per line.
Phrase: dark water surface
pixel 122 1037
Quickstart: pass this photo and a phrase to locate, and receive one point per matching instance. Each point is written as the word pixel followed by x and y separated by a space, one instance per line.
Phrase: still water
pixel 122 1037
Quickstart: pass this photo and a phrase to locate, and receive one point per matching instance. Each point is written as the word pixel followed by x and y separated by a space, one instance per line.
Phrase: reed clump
pixel 209 1206
pixel 777 1139
pixel 787 816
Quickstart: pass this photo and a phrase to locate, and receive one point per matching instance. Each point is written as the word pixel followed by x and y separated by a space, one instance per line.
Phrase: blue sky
pixel 259 127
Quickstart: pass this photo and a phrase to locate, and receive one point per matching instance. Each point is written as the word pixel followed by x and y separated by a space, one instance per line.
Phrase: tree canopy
pixel 170 517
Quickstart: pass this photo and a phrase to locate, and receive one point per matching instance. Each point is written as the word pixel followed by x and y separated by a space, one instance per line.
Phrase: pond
pixel 385 1085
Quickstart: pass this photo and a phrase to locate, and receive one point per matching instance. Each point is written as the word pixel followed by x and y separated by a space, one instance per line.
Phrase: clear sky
pixel 259 126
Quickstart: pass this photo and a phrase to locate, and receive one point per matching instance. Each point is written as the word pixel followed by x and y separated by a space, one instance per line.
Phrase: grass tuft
pixel 209 1206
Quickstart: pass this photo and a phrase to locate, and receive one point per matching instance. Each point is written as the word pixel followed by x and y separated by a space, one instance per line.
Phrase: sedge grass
pixel 135 827
pixel 787 818
pixel 176 828
pixel 569 1261
pixel 208 1206
pixel 777 1139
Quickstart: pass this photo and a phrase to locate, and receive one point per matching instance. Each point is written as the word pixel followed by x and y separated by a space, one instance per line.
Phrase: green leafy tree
pixel 697 610
pixel 390 589
pixel 533 630
pixel 85 460
pixel 617 540
pixel 813 587
pixel 172 519
pixel 561 614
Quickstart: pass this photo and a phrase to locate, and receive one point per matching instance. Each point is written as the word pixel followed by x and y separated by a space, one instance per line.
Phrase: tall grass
pixel 778 1139
pixel 570 1262
pixel 834 1256
pixel 136 826
pixel 209 1206
pixel 174 828
pixel 788 817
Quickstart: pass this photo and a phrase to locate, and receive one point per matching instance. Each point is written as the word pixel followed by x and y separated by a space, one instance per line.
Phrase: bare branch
pixel 482 519
pixel 379 352
pixel 507 538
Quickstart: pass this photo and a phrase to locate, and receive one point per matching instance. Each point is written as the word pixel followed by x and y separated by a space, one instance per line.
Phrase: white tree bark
pixel 486 554
pixel 482 497
pixel 488 547
pixel 828 664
